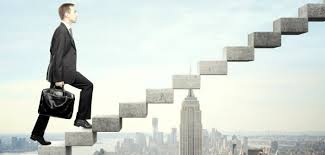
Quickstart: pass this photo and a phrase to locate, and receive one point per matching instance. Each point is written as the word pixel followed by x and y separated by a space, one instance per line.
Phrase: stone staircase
pixel 113 123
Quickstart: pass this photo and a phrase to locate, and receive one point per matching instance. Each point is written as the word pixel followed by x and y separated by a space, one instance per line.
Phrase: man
pixel 62 70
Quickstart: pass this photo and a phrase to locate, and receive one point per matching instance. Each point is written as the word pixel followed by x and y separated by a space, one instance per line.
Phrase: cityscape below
pixel 214 143
pixel 189 139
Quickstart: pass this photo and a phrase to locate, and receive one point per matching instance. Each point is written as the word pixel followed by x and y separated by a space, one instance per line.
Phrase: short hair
pixel 65 7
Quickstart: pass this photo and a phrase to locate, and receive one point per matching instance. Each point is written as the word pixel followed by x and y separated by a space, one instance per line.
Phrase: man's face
pixel 72 16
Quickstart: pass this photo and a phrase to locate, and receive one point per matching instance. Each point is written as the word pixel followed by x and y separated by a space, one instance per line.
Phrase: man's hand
pixel 61 84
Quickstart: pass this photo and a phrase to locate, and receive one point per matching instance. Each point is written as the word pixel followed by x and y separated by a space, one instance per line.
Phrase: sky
pixel 125 47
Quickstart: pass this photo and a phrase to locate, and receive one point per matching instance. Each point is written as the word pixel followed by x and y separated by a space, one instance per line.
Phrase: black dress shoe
pixel 40 139
pixel 83 123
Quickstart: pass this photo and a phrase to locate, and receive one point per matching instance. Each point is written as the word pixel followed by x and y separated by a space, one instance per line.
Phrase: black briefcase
pixel 56 102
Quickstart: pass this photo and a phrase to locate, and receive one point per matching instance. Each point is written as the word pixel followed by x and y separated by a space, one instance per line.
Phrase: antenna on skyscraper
pixel 190 69
pixel 190 91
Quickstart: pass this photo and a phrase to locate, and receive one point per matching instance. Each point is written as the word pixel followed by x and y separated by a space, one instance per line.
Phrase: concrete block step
pixel 314 12
pixel 106 123
pixel 133 110
pixel 186 81
pixel 160 96
pixel 238 53
pixel 80 137
pixel 56 148
pixel 264 39
pixel 290 26
pixel 218 67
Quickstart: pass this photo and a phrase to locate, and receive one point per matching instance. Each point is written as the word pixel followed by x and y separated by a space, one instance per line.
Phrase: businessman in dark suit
pixel 62 70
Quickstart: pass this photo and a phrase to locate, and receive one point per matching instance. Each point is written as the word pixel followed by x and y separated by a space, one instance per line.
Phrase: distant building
pixel 140 139
pixel 205 141
pixel 172 138
pixel 235 147
pixel 274 146
pixel 160 138
pixel 245 146
pixel 155 128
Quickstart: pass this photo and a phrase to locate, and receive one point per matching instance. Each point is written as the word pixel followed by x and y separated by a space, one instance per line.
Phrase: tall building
pixel 235 145
pixel 160 138
pixel 274 146
pixel 205 141
pixel 191 126
pixel 140 139
pixel 172 138
pixel 155 129
pixel 245 145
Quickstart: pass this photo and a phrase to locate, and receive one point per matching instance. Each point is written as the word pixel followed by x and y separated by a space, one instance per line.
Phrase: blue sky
pixel 127 46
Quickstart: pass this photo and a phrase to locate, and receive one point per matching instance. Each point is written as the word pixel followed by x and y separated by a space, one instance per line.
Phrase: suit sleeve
pixel 58 50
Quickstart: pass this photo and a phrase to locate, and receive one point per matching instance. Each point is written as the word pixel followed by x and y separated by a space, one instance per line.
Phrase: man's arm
pixel 58 50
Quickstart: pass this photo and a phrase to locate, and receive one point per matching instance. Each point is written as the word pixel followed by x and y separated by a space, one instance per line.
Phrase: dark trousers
pixel 84 110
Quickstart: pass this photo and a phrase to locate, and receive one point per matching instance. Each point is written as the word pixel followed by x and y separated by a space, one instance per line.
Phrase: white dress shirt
pixel 66 24
pixel 68 27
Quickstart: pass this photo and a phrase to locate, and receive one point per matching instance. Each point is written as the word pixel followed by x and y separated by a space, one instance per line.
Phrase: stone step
pixel 218 67
pixel 56 148
pixel 133 110
pixel 238 53
pixel 106 123
pixel 186 81
pixel 264 39
pixel 80 137
pixel 290 26
pixel 160 96
pixel 314 12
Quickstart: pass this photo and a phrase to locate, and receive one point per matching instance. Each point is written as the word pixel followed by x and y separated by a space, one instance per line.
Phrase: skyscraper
pixel 191 126
pixel 173 136
pixel 155 129
pixel 245 145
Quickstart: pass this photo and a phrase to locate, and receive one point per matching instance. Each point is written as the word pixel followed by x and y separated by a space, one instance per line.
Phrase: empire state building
pixel 191 126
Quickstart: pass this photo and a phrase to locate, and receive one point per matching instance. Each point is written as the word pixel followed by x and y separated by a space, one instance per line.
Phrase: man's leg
pixel 41 123
pixel 39 128
pixel 86 86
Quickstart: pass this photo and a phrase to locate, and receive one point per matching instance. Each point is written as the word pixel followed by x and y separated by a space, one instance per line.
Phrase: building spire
pixel 190 93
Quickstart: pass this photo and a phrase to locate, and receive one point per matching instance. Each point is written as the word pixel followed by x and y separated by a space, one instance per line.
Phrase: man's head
pixel 68 13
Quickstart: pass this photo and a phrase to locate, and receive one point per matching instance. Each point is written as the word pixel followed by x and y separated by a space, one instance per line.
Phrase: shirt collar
pixel 66 25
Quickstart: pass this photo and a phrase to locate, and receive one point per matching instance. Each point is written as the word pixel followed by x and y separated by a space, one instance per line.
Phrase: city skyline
pixel 161 143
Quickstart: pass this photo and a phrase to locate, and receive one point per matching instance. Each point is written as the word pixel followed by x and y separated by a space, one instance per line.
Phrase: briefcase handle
pixel 54 86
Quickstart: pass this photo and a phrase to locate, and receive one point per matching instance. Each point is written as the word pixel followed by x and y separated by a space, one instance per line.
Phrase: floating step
pixel 106 123
pixel 291 26
pixel 159 96
pixel 218 67
pixel 186 81
pixel 314 12
pixel 56 148
pixel 238 53
pixel 80 137
pixel 133 110
pixel 264 39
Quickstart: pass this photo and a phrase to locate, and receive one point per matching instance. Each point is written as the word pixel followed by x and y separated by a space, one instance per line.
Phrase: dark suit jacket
pixel 63 59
